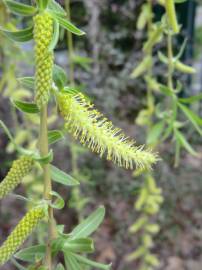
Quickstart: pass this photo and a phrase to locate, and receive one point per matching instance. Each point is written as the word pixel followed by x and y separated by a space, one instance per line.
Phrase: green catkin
pixel 20 234
pixel 172 16
pixel 20 168
pixel 43 32
pixel 95 131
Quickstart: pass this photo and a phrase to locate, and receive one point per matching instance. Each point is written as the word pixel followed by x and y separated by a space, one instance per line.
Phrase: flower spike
pixel 20 233
pixel 20 168
pixel 43 31
pixel 94 130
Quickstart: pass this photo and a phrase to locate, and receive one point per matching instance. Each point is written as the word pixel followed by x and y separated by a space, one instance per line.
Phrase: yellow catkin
pixel 43 32
pixel 94 130
pixel 20 234
pixel 20 168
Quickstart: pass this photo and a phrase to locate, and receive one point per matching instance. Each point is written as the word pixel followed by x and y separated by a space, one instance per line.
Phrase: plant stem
pixel 70 47
pixel 170 61
pixel 70 44
pixel 43 146
pixel 171 86
pixel 150 104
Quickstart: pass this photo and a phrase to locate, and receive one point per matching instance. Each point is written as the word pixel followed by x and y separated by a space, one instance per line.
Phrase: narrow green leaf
pixel 54 136
pixel 25 106
pixel 142 67
pixel 20 9
pixel 59 76
pixel 193 118
pixel 30 254
pixel 60 267
pixel 89 225
pixel 79 245
pixel 180 1
pixel 66 24
pixel 27 82
pixel 184 143
pixel 7 131
pixel 165 90
pixel 154 38
pixel 55 37
pixel 17 265
pixel 20 35
pixel 155 132
pixel 191 100
pixel 56 7
pixel 91 263
pixel 71 262
pixel 70 90
pixel 59 202
pixel 42 4
pixel 62 177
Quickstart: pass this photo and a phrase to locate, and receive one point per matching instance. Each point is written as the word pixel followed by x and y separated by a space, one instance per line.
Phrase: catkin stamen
pixel 99 134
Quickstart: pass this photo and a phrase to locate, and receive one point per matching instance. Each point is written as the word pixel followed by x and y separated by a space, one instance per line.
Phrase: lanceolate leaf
pixel 62 177
pixel 184 143
pixel 194 118
pixel 79 245
pixel 27 82
pixel 17 265
pixel 59 202
pixel 42 4
pixel 56 31
pixel 66 24
pixel 30 254
pixel 54 136
pixel 71 262
pixel 20 9
pixel 89 225
pixel 54 6
pixel 7 131
pixel 155 133
pixel 26 106
pixel 191 100
pixel 60 267
pixel 20 35
pixel 91 263
pixel 59 76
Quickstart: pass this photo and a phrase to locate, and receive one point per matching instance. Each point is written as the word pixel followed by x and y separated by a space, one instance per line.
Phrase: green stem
pixel 43 146
pixel 171 86
pixel 150 102
pixel 170 61
pixel 70 45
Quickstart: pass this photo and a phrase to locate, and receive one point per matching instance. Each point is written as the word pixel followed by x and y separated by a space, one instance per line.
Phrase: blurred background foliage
pixel 114 45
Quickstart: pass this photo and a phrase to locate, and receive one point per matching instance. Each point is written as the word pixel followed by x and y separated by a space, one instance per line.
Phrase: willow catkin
pixel 20 168
pixel 172 16
pixel 94 130
pixel 43 32
pixel 20 234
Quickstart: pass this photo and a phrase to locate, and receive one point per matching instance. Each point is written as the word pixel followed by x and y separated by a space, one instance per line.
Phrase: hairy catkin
pixel 99 134
pixel 20 168
pixel 43 32
pixel 20 233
